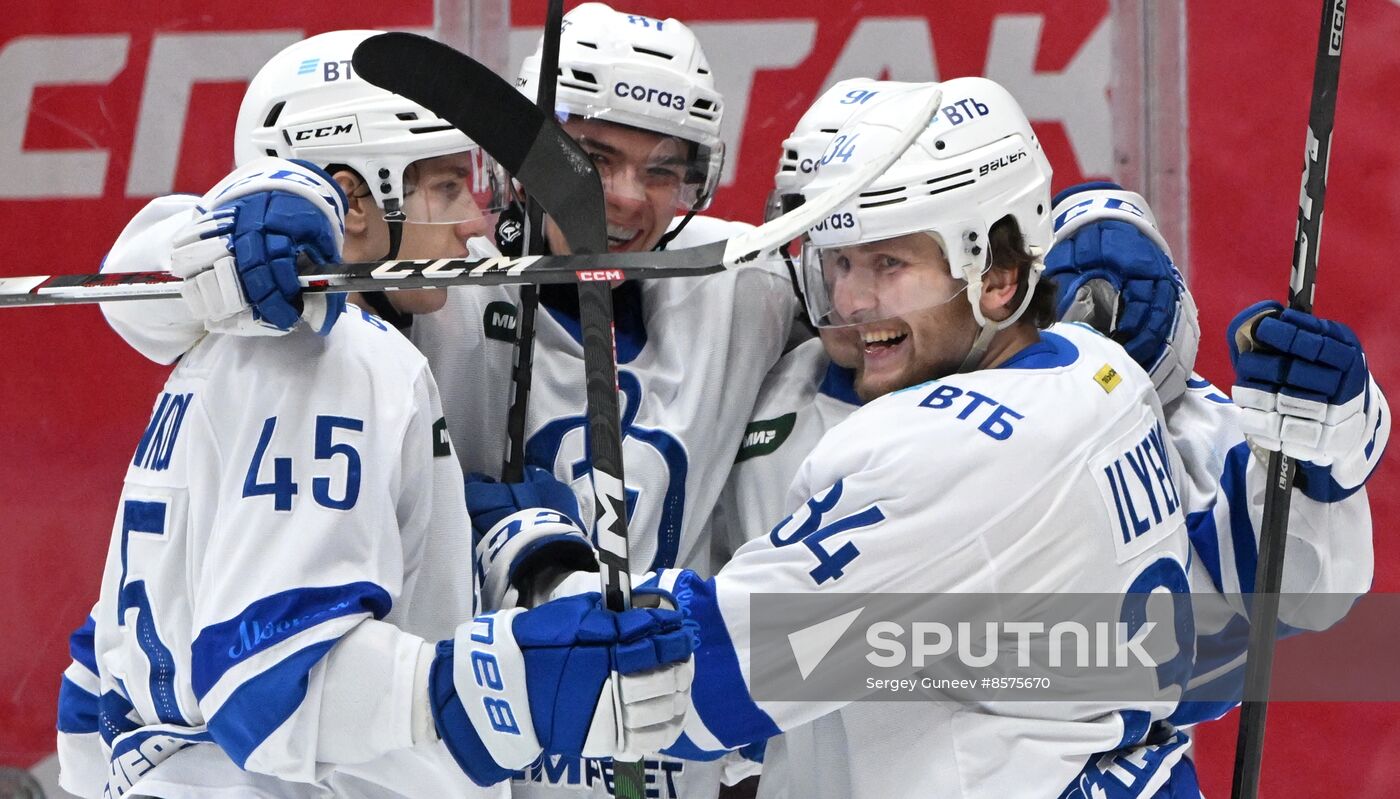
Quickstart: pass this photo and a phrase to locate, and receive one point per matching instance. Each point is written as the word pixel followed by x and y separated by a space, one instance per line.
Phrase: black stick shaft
pixel 1273 537
pixel 523 369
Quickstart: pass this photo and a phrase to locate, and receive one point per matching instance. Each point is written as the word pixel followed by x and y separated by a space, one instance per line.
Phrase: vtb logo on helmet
pixel 644 73
pixel 307 103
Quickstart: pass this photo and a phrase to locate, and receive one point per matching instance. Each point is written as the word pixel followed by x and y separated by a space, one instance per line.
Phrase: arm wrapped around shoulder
pixel 520 682
pixel 1114 271
pixel 1303 388
pixel 238 255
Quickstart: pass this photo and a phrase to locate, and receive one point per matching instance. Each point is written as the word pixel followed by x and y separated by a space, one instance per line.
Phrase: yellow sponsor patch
pixel 1108 379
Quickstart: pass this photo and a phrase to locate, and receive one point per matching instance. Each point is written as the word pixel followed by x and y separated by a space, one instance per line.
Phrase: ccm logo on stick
pixel 600 274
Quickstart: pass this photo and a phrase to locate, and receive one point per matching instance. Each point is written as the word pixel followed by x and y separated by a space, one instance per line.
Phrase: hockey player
pixel 286 606
pixel 639 95
pixel 977 464
pixel 1104 234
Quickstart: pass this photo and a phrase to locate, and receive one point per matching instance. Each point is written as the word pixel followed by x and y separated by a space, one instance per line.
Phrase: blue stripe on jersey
pixel 1135 726
pixel 1233 486
pixel 1050 352
pixel 271 620
pixel 755 751
pixel 1317 484
pixel 81 647
pixel 115 715
pixel 259 706
pixel 840 383
pixel 1205 542
pixel 687 749
pixel 719 692
pixel 78 710
pixel 161 681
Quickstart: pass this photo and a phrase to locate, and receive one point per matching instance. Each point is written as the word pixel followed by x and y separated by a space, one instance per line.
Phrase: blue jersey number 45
pixel 282 487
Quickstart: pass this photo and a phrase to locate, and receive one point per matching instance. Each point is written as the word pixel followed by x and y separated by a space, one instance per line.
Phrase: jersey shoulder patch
pixel 765 436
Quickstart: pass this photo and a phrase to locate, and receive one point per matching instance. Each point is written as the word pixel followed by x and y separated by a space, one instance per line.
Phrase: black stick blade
pixel 528 143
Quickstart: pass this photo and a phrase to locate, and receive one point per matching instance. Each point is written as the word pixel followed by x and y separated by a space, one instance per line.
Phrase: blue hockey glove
pixel 1115 272
pixel 519 682
pixel 1303 387
pixel 239 256
pixel 527 535
pixel 489 501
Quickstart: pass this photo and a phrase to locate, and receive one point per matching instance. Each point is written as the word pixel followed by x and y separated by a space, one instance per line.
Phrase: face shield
pixel 863 283
pixel 667 171
pixel 452 189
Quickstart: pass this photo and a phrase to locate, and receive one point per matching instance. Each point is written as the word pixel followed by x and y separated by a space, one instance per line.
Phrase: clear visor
pixel 860 284
pixel 454 188
pixel 634 163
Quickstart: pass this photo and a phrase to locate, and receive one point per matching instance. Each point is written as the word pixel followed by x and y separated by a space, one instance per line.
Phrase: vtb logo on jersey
pixel 657 468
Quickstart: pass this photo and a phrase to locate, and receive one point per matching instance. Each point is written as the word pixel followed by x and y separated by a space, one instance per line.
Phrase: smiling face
pixel 643 175
pixel 900 309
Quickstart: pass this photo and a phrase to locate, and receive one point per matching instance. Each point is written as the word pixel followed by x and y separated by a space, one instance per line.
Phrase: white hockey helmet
pixel 977 163
pixel 814 131
pixel 308 103
pixel 642 72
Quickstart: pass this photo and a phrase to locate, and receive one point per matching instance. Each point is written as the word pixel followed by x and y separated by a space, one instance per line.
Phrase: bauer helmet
pixel 641 72
pixel 977 163
pixel 308 103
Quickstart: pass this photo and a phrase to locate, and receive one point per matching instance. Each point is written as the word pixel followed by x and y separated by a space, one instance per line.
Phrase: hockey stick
pixel 521 376
pixel 1273 536
pixel 465 93
pixel 42 290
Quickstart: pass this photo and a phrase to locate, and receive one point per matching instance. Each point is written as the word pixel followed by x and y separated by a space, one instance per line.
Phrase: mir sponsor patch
pixel 498 322
pixel 765 436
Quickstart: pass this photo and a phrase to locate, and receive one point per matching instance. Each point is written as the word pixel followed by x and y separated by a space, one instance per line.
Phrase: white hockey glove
pixel 518 683
pixel 238 255
pixel 1115 272
pixel 1303 388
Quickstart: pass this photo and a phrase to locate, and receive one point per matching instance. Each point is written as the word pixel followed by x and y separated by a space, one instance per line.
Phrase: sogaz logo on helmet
pixel 1000 163
pixel 341 130
pixel 646 94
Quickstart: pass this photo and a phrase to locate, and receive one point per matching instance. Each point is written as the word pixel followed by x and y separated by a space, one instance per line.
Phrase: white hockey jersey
pixel 691 360
pixel 801 399
pixel 692 353
pixel 1329 549
pixel 999 481
pixel 290 533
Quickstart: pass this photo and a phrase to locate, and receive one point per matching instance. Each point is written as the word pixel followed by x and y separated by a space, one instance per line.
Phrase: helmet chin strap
pixel 987 327
pixel 395 217
pixel 674 232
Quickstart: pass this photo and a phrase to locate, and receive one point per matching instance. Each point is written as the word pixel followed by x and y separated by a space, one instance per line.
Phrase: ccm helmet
pixel 308 103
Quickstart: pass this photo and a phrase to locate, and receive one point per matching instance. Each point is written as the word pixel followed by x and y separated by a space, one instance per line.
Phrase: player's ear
pixel 999 286
pixel 361 202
